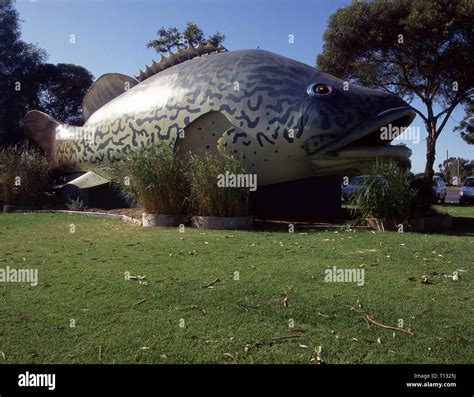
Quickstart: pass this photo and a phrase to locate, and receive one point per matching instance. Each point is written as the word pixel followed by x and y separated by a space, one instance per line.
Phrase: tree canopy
pixel 413 48
pixel 19 65
pixel 62 88
pixel 450 167
pixel 27 82
pixel 466 125
pixel 170 38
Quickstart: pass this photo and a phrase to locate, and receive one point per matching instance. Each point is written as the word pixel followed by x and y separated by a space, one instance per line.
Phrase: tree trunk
pixel 430 157
pixel 427 194
pixel 430 145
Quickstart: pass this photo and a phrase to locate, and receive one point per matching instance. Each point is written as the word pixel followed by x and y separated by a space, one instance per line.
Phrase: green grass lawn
pixel 464 211
pixel 280 284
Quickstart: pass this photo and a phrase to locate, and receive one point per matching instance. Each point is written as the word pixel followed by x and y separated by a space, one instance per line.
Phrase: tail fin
pixel 41 128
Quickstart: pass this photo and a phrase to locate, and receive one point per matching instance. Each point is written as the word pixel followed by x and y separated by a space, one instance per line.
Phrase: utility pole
pixel 459 173
pixel 446 172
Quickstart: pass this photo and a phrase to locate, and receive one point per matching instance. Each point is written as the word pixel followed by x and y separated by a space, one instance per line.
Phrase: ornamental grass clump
pixel 154 176
pixel 208 196
pixel 387 194
pixel 24 176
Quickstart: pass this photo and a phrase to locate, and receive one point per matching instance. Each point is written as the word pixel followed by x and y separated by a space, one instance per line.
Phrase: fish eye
pixel 319 89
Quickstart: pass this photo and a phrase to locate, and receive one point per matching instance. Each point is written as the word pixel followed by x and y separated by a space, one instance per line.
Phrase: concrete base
pixel 215 222
pixel 421 224
pixel 153 220
pixel 431 223
pixel 14 208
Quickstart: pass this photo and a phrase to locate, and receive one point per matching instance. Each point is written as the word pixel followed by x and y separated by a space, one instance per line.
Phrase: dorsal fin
pixel 107 87
pixel 180 56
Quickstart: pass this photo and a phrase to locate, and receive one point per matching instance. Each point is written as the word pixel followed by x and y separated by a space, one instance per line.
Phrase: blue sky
pixel 110 36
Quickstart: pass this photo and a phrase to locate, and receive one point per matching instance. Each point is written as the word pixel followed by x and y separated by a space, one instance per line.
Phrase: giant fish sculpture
pixel 284 119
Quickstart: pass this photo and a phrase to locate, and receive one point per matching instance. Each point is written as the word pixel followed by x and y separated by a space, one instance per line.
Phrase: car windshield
pixel 469 182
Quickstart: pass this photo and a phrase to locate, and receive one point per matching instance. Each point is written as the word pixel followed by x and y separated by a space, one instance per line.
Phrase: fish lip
pixel 365 128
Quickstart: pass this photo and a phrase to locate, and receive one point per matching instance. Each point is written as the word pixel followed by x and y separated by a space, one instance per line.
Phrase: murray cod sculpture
pixel 284 119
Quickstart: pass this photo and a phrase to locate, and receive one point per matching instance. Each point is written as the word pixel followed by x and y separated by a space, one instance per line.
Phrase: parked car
pixel 439 190
pixel 466 193
pixel 356 183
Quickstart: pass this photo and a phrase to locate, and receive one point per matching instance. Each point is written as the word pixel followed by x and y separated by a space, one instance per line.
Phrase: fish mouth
pixel 366 141
pixel 362 144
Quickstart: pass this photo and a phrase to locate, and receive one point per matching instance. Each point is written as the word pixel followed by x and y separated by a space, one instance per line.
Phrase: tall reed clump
pixel 387 194
pixel 24 176
pixel 209 199
pixel 155 176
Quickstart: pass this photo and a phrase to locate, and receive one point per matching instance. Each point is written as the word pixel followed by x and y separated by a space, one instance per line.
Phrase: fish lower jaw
pixel 352 160
pixel 370 152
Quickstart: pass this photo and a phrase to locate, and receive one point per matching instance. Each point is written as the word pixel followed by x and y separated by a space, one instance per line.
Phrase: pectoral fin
pixel 213 133
pixel 88 180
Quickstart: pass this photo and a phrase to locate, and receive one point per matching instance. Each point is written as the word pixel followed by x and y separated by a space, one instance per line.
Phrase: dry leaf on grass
pixel 228 355
pixel 246 349
pixel 426 280
pixel 211 284
pixel 136 277
pixel 201 309
pixel 318 355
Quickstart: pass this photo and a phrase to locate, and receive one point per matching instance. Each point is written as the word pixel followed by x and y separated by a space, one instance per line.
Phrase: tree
pixel 63 86
pixel 170 38
pixel 216 39
pixel 413 48
pixel 455 166
pixel 27 83
pixel 466 125
pixel 19 65
pixel 193 34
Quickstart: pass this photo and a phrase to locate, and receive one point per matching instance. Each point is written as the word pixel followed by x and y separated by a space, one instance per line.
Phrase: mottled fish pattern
pixel 263 95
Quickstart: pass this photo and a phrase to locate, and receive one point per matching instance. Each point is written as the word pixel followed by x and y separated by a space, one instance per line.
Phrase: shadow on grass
pixel 462 226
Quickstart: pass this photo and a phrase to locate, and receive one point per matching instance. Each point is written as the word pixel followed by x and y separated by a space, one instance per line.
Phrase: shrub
pixel 387 194
pixel 75 205
pixel 207 199
pixel 23 176
pixel 154 175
